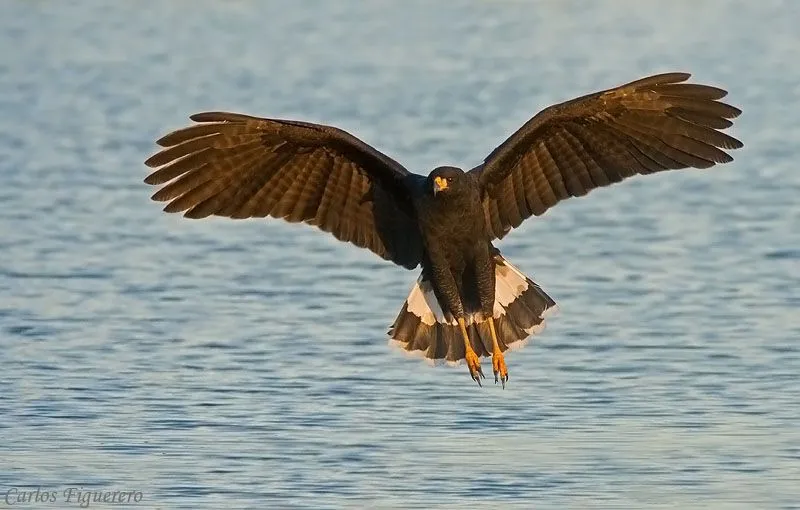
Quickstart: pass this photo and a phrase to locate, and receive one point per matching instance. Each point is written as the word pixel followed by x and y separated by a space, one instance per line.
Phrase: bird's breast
pixel 456 221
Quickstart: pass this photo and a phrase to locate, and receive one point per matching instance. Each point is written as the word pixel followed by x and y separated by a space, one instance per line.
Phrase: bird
pixel 468 303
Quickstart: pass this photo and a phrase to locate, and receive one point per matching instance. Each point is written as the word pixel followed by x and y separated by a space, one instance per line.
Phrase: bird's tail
pixel 520 308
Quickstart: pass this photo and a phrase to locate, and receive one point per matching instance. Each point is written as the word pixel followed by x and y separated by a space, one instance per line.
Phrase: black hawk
pixel 469 302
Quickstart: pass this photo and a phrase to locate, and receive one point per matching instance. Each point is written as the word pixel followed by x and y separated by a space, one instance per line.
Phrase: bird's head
pixel 445 180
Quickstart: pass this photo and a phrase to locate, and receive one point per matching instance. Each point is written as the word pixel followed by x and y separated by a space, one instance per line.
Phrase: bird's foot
pixel 474 365
pixel 499 367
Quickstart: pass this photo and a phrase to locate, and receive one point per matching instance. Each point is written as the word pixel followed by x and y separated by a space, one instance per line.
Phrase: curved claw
pixel 499 368
pixel 479 372
pixel 474 365
pixel 501 379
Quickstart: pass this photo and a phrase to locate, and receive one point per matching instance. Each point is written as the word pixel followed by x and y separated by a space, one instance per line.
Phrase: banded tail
pixel 520 307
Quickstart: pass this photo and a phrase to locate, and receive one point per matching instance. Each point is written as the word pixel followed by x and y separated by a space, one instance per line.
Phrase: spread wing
pixel 646 126
pixel 241 167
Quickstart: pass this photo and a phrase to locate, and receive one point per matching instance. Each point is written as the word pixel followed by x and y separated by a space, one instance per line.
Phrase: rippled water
pixel 222 364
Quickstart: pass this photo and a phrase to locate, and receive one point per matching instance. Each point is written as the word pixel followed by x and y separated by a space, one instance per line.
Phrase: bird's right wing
pixel 645 126
pixel 241 167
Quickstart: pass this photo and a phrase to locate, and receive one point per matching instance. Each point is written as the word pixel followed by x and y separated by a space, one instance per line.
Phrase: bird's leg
pixel 473 362
pixel 498 361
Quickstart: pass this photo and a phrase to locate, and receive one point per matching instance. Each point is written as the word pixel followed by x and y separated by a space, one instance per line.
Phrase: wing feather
pixel 239 166
pixel 649 125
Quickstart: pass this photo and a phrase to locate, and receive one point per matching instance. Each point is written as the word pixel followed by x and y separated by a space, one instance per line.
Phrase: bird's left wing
pixel 241 167
pixel 649 125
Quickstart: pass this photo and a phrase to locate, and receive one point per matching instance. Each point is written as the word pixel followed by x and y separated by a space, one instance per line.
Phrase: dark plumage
pixel 469 301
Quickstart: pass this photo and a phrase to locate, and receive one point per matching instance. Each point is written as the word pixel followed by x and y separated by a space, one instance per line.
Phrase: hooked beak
pixel 439 184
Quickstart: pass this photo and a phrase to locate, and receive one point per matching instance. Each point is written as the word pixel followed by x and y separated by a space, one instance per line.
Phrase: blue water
pixel 221 364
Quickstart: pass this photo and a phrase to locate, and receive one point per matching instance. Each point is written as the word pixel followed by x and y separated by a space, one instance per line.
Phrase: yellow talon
pixel 473 362
pixel 498 360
